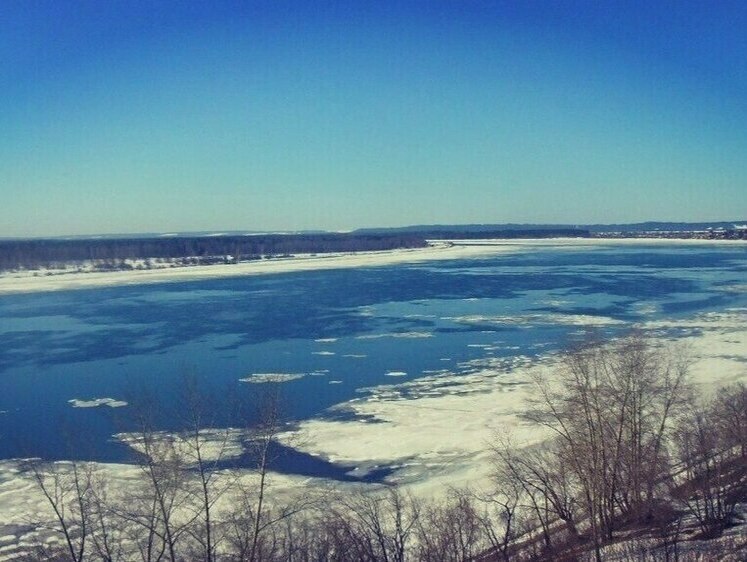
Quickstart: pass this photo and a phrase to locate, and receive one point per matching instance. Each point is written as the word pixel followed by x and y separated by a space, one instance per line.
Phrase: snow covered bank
pixel 30 281
pixel 35 281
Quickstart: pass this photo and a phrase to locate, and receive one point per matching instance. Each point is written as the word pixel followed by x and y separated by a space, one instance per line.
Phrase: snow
pixel 25 511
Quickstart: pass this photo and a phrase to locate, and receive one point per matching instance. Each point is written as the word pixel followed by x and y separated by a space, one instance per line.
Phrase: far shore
pixel 33 281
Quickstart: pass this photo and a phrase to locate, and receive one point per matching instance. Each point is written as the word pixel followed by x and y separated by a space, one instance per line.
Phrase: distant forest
pixel 639 227
pixel 112 253
pixel 501 234
pixel 35 254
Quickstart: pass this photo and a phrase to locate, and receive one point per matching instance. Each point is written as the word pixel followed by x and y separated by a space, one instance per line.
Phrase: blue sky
pixel 127 116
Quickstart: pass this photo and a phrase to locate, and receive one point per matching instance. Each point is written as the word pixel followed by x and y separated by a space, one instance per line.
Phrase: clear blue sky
pixel 129 116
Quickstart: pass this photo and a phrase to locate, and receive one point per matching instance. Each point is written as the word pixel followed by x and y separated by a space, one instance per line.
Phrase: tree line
pixel 632 452
pixel 503 234
pixel 38 253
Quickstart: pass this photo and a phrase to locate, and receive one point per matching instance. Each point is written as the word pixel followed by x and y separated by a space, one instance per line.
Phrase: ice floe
pixel 96 402
pixel 272 377
pixel 535 319
pixel 395 335
pixel 436 430
pixel 214 444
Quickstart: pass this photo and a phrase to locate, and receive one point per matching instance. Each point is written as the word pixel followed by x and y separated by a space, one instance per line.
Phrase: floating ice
pixel 96 402
pixel 739 288
pixel 371 336
pixel 395 335
pixel 214 444
pixel 534 319
pixel 272 377
pixel 412 335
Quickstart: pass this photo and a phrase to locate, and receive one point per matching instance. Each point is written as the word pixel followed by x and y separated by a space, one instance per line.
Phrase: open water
pixel 338 331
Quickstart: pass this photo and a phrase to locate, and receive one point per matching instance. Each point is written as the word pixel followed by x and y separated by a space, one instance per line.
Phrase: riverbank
pixel 435 432
pixel 32 281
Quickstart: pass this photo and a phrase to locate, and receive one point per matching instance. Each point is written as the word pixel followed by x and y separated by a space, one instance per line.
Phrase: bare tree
pixel 264 434
pixel 204 449
pixel 712 482
pixel 108 531
pixel 610 407
pixel 378 525
pixel 651 380
pixel 729 412
pixel 503 520
pixel 67 488
pixel 539 480
pixel 452 530
pixel 155 511
pixel 255 529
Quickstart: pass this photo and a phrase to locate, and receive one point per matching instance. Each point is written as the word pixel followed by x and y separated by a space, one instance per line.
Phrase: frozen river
pixel 327 338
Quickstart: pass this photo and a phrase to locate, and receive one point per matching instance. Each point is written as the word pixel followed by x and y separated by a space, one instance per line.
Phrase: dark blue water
pixel 134 342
